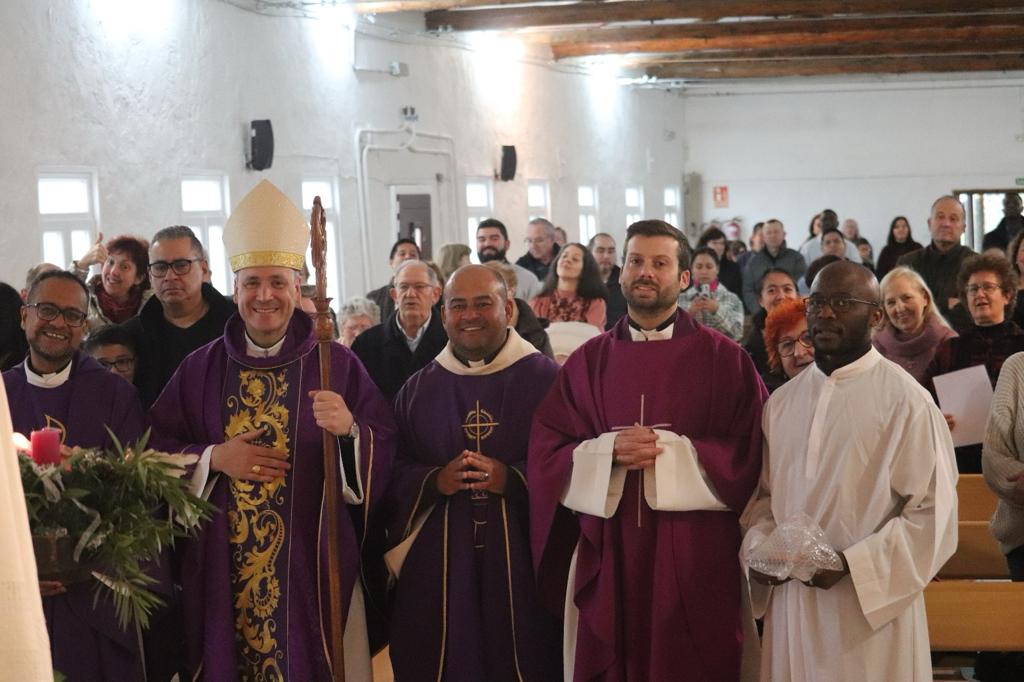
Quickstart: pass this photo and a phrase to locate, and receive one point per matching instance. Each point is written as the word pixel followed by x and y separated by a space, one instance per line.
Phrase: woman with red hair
pixel 122 287
pixel 787 341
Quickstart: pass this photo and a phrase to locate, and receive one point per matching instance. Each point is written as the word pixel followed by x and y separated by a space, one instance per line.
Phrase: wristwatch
pixel 353 432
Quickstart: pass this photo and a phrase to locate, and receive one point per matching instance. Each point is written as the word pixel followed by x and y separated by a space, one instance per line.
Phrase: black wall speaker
pixel 508 162
pixel 261 141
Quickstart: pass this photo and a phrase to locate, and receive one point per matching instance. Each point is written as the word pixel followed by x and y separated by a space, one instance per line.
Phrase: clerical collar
pixel 413 341
pixel 52 380
pixel 487 359
pixel 253 350
pixel 660 333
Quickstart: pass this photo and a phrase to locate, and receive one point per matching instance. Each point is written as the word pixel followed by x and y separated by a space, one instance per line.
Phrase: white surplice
pixel 867 455
pixel 24 643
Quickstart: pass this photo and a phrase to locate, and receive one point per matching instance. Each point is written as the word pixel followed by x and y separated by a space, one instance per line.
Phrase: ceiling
pixel 742 39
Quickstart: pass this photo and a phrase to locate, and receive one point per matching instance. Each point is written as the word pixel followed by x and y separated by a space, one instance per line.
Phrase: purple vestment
pixel 658 592
pixel 466 607
pixel 255 581
pixel 86 641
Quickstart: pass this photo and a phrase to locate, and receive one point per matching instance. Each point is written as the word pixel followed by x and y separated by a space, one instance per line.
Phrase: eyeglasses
pixel 838 304
pixel 988 287
pixel 49 312
pixel 182 266
pixel 538 240
pixel 122 364
pixel 788 347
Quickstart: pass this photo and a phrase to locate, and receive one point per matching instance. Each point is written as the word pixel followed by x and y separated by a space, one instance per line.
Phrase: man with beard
pixel 410 337
pixel 856 444
pixel 459 497
pixel 642 457
pixel 492 244
pixel 602 248
pixel 184 313
pixel 60 386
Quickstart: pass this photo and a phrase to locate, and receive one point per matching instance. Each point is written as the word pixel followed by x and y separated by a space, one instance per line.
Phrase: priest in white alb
pixel 857 445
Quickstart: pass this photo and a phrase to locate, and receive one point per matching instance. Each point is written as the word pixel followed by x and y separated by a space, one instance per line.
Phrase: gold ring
pixel 255 468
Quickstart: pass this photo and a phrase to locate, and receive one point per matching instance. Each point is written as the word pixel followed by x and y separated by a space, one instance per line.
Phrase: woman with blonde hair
pixel 451 257
pixel 912 328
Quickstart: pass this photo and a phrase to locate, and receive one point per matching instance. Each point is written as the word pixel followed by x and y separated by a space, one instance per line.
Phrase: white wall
pixel 145 92
pixel 869 151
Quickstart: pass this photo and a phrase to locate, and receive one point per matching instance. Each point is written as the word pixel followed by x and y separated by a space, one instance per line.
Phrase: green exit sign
pixel 1020 182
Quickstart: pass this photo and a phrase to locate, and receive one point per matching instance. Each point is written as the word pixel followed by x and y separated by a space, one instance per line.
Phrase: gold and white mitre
pixel 266 228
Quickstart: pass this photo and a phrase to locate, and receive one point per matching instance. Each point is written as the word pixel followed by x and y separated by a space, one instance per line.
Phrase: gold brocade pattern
pixel 256 529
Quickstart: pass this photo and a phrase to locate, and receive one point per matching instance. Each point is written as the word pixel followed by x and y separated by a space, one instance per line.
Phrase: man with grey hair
pixel 411 336
pixel 184 313
pixel 540 241
pixel 939 262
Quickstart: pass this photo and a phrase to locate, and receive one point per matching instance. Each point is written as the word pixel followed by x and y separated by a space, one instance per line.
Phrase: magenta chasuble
pixel 254 581
pixel 658 592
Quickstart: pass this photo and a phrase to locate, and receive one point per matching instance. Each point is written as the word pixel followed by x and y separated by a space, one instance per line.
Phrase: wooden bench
pixel 974 607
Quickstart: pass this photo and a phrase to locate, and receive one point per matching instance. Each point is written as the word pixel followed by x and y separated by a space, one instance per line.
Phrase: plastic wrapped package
pixel 797 549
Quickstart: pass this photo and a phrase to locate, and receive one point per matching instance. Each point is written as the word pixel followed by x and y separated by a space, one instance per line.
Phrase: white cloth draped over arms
pixel 676 482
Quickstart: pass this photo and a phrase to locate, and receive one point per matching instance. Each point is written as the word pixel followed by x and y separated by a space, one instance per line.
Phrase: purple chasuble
pixel 465 607
pixel 255 584
pixel 86 641
pixel 658 592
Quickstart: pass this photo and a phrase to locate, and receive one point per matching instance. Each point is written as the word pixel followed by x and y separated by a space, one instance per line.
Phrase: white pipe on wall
pixel 363 179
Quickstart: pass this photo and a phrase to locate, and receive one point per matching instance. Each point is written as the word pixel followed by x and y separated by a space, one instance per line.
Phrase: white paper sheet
pixel 967 395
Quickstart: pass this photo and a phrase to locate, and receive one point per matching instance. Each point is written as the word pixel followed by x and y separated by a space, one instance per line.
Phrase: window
pixel 479 205
pixel 325 189
pixel 672 206
pixel 586 197
pixel 68 214
pixel 634 204
pixel 538 200
pixel 204 202
pixel 983 209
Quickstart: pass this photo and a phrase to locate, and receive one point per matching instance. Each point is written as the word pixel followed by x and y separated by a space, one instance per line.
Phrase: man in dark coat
pixel 410 337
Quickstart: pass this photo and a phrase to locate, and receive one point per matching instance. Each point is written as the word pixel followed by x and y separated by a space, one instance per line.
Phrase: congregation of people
pixel 552 468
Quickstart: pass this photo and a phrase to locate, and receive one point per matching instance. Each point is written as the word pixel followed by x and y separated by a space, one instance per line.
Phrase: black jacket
pixel 535 266
pixel 161 346
pixel 531 328
pixel 616 302
pixel 386 355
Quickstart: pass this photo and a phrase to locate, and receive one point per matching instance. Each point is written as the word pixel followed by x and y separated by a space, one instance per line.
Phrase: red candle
pixel 46 446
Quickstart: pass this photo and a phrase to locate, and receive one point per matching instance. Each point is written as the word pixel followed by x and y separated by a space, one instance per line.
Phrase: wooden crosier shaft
pixel 332 483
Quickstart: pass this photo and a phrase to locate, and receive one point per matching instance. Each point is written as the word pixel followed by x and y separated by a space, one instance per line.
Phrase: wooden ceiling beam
pixel 1007 45
pixel 462 18
pixel 590 43
pixel 840 66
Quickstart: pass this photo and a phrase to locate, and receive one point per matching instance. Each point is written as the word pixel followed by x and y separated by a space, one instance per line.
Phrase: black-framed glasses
pixel 788 347
pixel 73 317
pixel 182 266
pixel 838 304
pixel 123 364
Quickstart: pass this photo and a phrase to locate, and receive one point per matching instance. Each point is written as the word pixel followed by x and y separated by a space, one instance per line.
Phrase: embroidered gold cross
pixel 479 425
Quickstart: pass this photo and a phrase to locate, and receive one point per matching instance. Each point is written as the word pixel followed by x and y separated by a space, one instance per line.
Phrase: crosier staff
pixel 324 338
